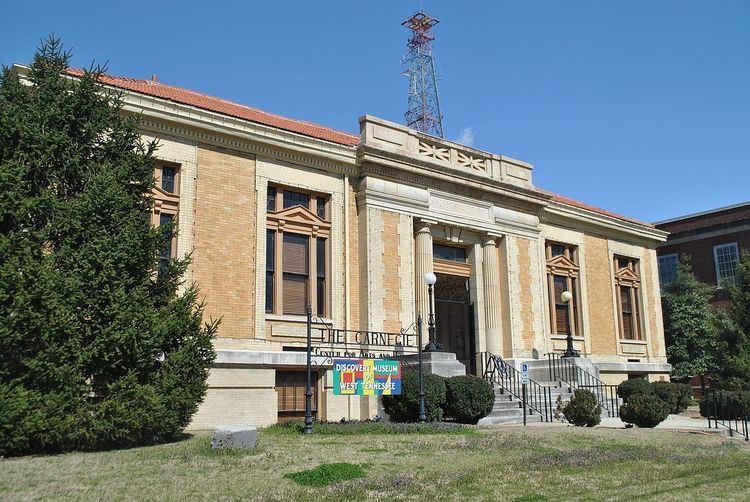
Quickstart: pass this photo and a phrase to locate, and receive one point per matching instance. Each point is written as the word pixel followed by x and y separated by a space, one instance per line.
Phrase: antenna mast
pixel 423 113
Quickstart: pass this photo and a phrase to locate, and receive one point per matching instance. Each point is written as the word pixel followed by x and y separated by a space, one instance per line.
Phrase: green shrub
pixel 327 474
pixel 583 409
pixel 644 410
pixel 468 398
pixel 633 386
pixel 405 406
pixel 725 404
pixel 677 396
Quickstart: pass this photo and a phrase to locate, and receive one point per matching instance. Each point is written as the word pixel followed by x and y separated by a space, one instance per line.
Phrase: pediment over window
pixel 627 275
pixel 562 262
pixel 299 214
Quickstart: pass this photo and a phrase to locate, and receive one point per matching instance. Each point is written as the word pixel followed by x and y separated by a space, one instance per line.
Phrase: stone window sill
pixel 296 318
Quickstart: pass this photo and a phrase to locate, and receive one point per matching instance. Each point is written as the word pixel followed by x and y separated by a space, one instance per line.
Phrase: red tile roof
pixel 210 103
pixel 565 200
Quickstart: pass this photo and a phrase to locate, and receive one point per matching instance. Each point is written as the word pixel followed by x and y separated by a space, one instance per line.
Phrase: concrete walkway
pixel 673 422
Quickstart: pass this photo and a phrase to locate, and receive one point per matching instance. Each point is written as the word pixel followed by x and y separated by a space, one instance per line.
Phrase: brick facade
pixel 224 238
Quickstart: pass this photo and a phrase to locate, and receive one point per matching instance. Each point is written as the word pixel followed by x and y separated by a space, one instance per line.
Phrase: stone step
pixel 510 420
pixel 507 405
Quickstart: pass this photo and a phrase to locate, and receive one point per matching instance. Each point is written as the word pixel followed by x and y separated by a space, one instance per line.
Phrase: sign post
pixel 524 383
pixel 422 414
pixel 308 383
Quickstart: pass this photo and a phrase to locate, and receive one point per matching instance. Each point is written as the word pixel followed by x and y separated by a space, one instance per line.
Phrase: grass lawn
pixel 509 463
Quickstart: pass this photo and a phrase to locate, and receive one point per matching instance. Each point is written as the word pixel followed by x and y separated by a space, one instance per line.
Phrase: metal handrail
pixel 562 369
pixel 538 398
pixel 730 415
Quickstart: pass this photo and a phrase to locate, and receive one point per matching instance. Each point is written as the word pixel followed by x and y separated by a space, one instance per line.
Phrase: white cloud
pixel 467 136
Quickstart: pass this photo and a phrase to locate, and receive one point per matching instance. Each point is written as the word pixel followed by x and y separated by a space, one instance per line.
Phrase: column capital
pixel 423 225
pixel 490 239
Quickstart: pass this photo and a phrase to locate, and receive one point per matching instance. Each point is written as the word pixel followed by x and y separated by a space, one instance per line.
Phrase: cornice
pixel 420 173
pixel 243 134
pixel 224 140
pixel 556 213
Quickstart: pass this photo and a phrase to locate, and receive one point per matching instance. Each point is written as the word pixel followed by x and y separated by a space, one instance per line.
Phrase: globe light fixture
pixel 430 279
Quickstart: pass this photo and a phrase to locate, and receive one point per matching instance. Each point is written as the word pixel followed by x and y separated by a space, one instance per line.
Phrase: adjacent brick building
pixel 713 240
pixel 281 213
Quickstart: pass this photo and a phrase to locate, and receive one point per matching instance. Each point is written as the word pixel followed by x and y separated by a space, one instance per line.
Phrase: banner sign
pixel 366 377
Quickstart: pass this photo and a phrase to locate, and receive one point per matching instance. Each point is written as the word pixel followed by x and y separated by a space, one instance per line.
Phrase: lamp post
pixel 432 346
pixel 308 384
pixel 566 296
pixel 422 415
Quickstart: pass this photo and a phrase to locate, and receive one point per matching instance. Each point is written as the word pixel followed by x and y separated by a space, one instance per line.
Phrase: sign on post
pixel 366 377
pixel 525 373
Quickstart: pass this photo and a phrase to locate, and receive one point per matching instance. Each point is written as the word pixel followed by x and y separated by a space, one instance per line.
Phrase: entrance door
pixel 453 317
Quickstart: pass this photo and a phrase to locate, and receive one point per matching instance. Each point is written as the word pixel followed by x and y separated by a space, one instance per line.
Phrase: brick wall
pixel 601 309
pixel 701 252
pixel 526 294
pixel 224 243
pixel 391 277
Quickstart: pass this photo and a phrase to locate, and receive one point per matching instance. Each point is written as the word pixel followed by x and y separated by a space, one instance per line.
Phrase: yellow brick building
pixel 279 214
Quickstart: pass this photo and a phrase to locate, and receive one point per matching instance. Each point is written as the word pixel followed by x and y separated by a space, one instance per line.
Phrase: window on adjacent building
pixel 668 268
pixel 296 252
pixel 726 258
pixel 563 273
pixel 627 282
pixel 450 253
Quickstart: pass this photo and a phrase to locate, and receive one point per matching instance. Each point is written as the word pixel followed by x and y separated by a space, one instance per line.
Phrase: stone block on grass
pixel 240 437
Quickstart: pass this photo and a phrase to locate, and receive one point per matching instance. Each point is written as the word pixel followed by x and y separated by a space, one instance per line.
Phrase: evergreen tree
pixel 693 346
pixel 734 328
pixel 96 348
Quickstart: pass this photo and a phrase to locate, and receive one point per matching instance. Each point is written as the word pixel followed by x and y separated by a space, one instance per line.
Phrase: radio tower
pixel 423 113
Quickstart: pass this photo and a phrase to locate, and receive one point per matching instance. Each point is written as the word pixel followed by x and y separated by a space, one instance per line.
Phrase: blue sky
pixel 641 106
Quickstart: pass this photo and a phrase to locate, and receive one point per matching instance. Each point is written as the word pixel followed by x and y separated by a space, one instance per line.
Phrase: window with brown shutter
pixel 296 262
pixel 562 275
pixel 627 281
pixel 290 391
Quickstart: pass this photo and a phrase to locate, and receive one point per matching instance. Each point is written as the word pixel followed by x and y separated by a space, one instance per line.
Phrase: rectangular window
pixel 270 267
pixel 628 283
pixel 626 307
pixel 562 315
pixel 296 269
pixel 320 207
pixel 562 275
pixel 667 269
pixel 726 258
pixel 290 391
pixel 167 178
pixel 292 199
pixel 321 279
pixel 449 253
pixel 271 199
pixel 165 256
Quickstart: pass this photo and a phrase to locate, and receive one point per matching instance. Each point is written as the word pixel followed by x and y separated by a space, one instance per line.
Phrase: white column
pixel 491 276
pixel 423 260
